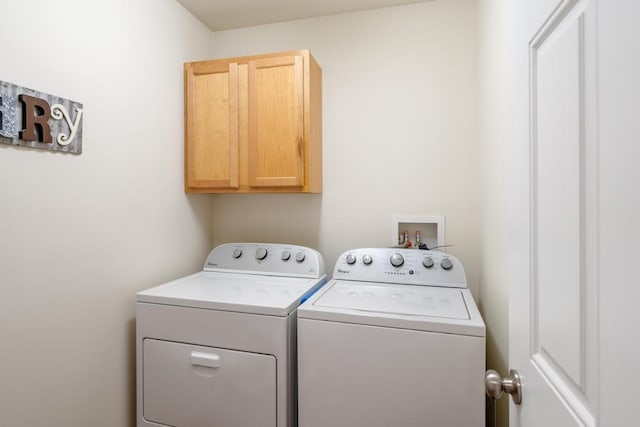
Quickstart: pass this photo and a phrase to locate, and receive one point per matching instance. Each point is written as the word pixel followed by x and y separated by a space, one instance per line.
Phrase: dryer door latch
pixel 209 360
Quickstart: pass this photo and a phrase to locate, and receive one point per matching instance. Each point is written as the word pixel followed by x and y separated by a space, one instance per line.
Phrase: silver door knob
pixel 495 385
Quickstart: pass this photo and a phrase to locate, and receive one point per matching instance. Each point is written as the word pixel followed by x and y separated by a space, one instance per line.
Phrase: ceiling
pixel 227 14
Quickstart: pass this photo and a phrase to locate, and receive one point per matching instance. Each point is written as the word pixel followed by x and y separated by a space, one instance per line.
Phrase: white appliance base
pixel 251 339
pixel 353 375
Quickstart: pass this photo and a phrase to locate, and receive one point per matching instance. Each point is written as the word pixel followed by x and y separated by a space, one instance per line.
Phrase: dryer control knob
pixel 446 264
pixel 367 259
pixel 237 253
pixel 300 256
pixel 351 259
pixel 396 260
pixel 286 255
pixel 428 262
pixel 261 253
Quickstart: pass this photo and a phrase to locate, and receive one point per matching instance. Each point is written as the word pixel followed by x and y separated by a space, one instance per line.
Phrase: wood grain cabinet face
pixel 254 124
pixel 212 126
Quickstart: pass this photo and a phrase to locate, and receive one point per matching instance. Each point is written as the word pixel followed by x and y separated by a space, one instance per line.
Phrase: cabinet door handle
pixel 210 360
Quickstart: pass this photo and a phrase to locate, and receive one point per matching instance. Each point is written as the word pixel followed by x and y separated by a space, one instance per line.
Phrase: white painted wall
pixel 80 235
pixel 494 289
pixel 400 130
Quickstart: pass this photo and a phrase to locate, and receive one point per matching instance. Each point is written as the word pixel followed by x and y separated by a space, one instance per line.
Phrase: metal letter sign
pixel 29 118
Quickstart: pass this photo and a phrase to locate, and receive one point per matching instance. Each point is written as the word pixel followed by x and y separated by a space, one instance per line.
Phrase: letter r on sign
pixel 35 115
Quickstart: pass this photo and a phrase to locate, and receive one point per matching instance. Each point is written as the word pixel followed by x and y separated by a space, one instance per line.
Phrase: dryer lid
pixel 395 299
pixel 245 293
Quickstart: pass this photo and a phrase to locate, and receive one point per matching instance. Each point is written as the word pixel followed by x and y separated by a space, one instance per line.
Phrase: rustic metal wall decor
pixel 29 118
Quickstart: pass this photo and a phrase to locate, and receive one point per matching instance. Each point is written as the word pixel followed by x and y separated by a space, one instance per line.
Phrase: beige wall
pixel 400 130
pixel 494 290
pixel 411 126
pixel 80 235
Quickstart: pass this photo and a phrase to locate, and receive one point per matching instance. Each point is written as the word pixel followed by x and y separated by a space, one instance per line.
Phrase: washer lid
pixel 395 299
pixel 389 305
pixel 245 293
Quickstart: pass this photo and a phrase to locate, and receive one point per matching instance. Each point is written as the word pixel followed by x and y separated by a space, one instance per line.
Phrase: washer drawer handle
pixel 210 360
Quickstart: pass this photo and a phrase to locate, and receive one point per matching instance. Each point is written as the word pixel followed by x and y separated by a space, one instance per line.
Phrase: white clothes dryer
pixel 394 339
pixel 218 348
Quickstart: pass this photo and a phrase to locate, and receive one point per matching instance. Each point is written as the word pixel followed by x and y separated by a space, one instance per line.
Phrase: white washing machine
pixel 218 348
pixel 394 339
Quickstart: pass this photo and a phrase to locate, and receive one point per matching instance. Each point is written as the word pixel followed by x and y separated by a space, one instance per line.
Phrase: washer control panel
pixel 272 259
pixel 401 266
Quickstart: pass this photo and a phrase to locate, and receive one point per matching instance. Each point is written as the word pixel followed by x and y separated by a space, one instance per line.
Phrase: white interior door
pixel 573 113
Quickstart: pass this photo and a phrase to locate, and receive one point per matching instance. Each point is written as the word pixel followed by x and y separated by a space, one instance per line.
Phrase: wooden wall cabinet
pixel 254 124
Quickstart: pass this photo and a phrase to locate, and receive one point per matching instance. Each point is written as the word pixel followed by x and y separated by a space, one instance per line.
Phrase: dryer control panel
pixel 401 266
pixel 271 259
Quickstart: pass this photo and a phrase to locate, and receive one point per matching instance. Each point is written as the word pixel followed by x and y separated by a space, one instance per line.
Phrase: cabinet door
pixel 211 150
pixel 276 122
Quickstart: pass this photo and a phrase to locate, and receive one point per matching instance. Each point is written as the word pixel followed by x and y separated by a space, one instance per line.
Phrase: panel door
pixel 194 386
pixel 574 213
pixel 276 122
pixel 212 125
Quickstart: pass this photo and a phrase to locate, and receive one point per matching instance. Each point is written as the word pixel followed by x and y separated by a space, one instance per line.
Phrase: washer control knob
pixel 446 264
pixel 396 260
pixel 237 253
pixel 300 256
pixel 261 253
pixel 428 262
pixel 367 260
pixel 351 259
pixel 286 256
